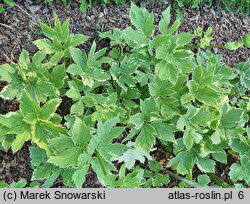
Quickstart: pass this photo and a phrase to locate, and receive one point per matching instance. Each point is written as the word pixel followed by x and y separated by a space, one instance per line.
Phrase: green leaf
pixel 11 91
pixel 207 96
pixel 240 171
pixel 20 184
pixel 146 138
pixel 161 180
pixel 68 158
pixel 102 142
pixel 60 143
pixel 55 59
pixel 174 27
pixel 80 132
pixel 44 89
pixel 115 36
pixel 6 72
pixel 203 180
pixel 231 118
pixel 132 180
pixel 29 108
pixel 9 2
pixel 142 20
pixel 167 72
pixel 216 136
pixel 83 6
pixel 58 75
pixel 1 11
pixel 74 69
pixel 47 31
pixel 38 58
pixel 131 156
pixel 184 120
pixel 203 118
pixel 77 108
pixel 220 156
pixel 38 155
pixel 45 130
pixel 83 160
pixel 46 45
pixel 49 182
pixel 165 132
pixel 184 161
pixel 107 132
pixel 3 184
pixel 135 36
pixel 96 166
pixel 246 40
pixel 164 22
pixel 233 45
pixel 49 109
pixel 24 60
pixel 168 108
pixel 155 166
pixel 78 57
pixel 137 120
pixel 73 91
pixel 78 39
pixel 19 141
pixel 148 108
pixel 206 165
pixel 244 74
pixel 67 174
pixel 34 184
pixel 184 38
pixel 42 172
pixel 235 171
pixel 65 30
pixel 190 137
pixel 239 146
pixel 79 176
pixel 57 24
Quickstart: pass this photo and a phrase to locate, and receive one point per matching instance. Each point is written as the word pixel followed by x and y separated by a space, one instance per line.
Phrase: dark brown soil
pixel 18 30
pixel 14 167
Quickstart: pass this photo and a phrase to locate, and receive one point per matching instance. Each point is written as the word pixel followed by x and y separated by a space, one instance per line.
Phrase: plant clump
pixel 153 89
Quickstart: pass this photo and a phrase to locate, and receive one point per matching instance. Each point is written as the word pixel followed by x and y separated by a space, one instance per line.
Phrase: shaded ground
pixel 18 30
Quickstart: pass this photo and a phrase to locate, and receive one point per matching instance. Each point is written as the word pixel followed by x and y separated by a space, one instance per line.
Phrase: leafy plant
pixel 154 177
pixel 20 184
pixel 59 39
pixel 141 92
pixel 242 6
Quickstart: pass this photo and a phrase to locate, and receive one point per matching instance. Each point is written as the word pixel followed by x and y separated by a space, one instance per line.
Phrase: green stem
pixel 190 183
pixel 121 49
pixel 100 159
pixel 218 181
pixel 190 176
pixel 198 46
pixel 238 95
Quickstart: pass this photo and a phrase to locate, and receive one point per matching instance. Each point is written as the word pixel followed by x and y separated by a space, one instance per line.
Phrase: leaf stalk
pixel 100 159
